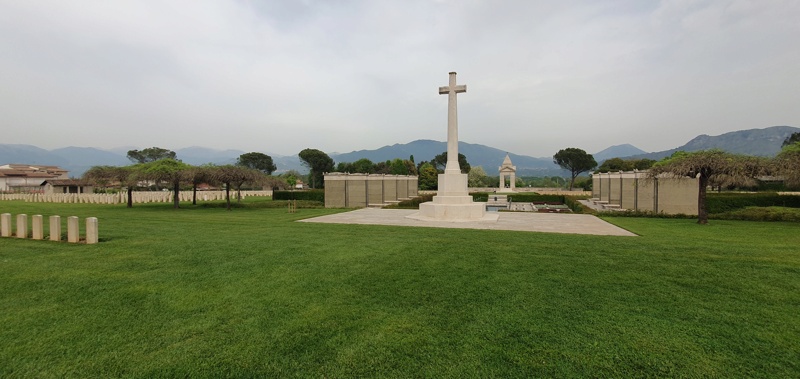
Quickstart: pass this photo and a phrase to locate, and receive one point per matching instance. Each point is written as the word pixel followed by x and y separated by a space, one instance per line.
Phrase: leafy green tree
pixel 402 167
pixel 318 164
pixel 711 166
pixel 428 177
pixel 643 164
pixel 166 170
pixel 574 160
pixel 291 180
pixel 440 162
pixel 150 154
pixel 291 177
pixel 197 175
pixel 791 140
pixel 124 176
pixel 361 166
pixel 584 183
pixel 233 177
pixel 383 167
pixel 619 164
pixel 787 165
pixel 411 168
pixel 257 161
pixel 477 177
pixel 396 167
pixel 615 164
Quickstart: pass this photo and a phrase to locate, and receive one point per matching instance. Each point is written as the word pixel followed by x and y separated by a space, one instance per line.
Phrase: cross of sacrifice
pixel 452 123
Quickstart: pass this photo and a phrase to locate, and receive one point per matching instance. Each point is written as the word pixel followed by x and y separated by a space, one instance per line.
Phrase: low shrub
pixel 313 195
pixel 412 203
pixel 535 198
pixel 648 214
pixel 304 204
pixel 761 214
pixel 519 197
pixel 480 197
pixel 728 202
pixel 577 207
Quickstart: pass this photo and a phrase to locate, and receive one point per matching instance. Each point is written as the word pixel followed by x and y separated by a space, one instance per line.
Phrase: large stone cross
pixel 452 123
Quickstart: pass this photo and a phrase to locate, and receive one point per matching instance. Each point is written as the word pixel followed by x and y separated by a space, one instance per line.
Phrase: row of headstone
pixel 37 228
pixel 122 197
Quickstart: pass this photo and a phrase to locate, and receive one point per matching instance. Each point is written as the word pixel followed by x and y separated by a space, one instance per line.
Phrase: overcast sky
pixel 281 76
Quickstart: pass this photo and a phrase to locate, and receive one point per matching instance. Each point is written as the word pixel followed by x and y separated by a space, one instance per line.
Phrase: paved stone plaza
pixel 516 221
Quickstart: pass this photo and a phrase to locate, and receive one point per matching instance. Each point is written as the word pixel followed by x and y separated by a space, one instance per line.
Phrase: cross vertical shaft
pixel 452 123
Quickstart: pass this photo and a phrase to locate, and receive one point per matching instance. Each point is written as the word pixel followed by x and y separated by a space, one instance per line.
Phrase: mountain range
pixel 761 142
pixel 764 142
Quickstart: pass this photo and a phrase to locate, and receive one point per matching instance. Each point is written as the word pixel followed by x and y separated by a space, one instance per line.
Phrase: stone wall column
pixel 22 226
pixel 37 227
pixel 91 230
pixel 5 225
pixel 73 230
pixel 55 228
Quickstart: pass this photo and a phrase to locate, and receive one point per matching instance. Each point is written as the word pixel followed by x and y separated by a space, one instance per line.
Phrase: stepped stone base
pixel 453 203
pixel 432 211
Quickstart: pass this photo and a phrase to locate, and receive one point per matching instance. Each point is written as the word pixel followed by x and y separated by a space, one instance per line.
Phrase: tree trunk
pixel 130 197
pixel 176 195
pixel 702 212
pixel 228 195
pixel 194 193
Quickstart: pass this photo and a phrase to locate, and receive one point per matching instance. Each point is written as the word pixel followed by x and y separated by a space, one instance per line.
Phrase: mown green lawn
pixel 203 292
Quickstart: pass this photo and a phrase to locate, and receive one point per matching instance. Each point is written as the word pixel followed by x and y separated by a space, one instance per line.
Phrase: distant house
pixel 28 178
pixel 53 186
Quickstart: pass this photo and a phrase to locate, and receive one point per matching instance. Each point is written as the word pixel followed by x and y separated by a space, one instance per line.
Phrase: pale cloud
pixel 280 76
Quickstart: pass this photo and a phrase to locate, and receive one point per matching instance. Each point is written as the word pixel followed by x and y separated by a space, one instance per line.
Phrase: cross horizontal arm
pixel 458 89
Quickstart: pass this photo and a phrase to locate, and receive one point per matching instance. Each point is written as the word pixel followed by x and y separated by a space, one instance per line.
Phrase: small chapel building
pixel 510 171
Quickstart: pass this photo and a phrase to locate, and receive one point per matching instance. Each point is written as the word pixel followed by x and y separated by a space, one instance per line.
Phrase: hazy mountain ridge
pixel 29 154
pixel 762 142
pixel 489 158
pixel 615 151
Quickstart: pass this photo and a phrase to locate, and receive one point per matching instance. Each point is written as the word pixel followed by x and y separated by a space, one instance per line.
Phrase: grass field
pixel 203 292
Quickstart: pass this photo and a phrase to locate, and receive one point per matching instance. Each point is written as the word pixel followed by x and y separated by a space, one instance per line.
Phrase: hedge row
pixel 412 203
pixel 575 206
pixel 520 197
pixel 727 202
pixel 314 195
pixel 761 214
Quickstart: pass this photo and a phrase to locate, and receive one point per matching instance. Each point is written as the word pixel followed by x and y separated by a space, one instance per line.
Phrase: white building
pixel 28 178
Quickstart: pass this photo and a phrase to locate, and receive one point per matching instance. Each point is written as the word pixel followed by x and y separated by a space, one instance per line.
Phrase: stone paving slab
pixel 516 221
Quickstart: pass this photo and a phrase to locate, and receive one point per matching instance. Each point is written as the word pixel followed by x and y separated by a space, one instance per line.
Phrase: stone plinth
pixel 453 203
